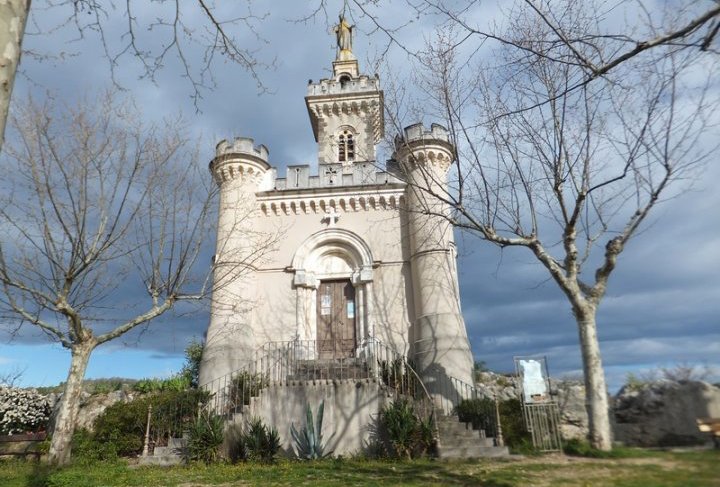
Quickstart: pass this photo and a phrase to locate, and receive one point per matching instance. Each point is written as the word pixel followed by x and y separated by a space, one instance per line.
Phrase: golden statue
pixel 343 32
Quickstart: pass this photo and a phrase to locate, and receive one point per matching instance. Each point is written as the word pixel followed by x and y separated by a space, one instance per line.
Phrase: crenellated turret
pixel 241 169
pixel 240 159
pixel 440 344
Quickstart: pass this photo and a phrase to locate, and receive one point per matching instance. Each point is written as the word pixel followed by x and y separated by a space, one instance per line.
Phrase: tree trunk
pixel 69 405
pixel 13 15
pixel 596 398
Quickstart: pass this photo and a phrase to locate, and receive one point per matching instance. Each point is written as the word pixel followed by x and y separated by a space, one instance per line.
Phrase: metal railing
pixel 454 396
pixel 285 362
pixel 169 416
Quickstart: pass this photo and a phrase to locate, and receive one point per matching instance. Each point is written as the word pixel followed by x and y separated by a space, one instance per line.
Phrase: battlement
pixel 418 132
pixel 362 83
pixel 298 177
pixel 242 145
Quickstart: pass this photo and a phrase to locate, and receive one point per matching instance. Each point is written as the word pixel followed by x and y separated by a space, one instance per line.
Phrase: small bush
pixel 123 424
pixel 177 383
pixel 191 368
pixel 515 433
pixel 245 386
pixel 259 442
pixel 479 412
pixel 205 437
pixel 22 411
pixel 87 449
pixel 405 434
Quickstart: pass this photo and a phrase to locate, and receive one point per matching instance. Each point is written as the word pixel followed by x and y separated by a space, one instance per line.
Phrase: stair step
pixel 161 460
pixel 177 443
pixel 470 442
pixel 474 451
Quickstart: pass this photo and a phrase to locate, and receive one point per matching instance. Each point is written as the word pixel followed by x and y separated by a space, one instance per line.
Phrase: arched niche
pixel 332 253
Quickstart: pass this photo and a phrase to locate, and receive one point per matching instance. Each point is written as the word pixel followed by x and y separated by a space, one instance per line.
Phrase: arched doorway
pixel 333 282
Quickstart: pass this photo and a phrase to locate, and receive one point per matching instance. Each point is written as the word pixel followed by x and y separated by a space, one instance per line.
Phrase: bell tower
pixel 346 111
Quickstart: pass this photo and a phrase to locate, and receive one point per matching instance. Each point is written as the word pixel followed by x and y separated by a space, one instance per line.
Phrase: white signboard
pixel 533 380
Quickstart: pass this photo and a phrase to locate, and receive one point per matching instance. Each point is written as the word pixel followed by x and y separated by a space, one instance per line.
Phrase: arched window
pixel 346 146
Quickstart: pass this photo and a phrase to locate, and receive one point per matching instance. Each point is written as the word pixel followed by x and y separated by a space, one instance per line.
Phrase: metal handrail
pixel 453 391
pixel 300 360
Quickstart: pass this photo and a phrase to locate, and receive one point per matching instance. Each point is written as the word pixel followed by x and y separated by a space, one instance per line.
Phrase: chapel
pixel 327 271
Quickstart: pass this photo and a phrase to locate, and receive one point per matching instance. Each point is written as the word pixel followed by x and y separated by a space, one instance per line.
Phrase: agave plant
pixel 309 440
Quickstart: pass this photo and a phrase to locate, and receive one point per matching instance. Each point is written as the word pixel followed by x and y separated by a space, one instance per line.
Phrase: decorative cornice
pixel 320 204
pixel 438 157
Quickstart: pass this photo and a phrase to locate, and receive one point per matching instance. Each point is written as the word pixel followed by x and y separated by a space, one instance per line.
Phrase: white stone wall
pixel 351 409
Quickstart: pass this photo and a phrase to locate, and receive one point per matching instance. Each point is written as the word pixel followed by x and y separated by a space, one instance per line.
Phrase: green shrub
pixel 514 431
pixel 479 412
pixel 399 421
pixel 187 378
pixel 103 386
pixel 403 431
pixel 87 449
pixel 146 386
pixel 424 437
pixel 205 437
pixel 124 424
pixel 309 441
pixel 245 385
pixel 177 382
pixel 191 368
pixel 259 442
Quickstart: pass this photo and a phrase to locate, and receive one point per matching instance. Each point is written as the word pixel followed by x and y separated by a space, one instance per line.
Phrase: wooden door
pixel 335 319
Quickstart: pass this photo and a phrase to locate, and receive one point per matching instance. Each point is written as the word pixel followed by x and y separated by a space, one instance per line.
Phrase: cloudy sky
pixel 663 303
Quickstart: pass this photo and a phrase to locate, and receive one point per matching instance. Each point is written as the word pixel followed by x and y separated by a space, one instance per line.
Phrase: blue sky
pixel 663 302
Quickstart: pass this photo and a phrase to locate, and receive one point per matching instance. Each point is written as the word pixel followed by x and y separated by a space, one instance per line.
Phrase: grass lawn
pixel 642 469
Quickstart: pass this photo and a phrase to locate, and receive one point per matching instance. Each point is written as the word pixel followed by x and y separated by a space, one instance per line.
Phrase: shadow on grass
pixel 330 472
pixel 420 472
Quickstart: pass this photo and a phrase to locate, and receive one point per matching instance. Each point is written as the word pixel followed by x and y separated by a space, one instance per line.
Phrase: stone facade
pixel 357 223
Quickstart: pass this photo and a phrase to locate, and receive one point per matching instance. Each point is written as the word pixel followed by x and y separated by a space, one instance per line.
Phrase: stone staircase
pixel 172 454
pixel 308 370
pixel 459 440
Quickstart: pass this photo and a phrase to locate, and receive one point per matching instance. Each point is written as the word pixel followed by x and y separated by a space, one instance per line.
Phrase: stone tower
pixel 438 336
pixel 346 111
pixel 241 170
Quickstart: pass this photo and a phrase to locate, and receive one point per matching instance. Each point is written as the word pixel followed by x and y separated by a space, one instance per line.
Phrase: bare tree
pixel 569 173
pixel 13 15
pixel 104 219
pixel 11 377
pixel 152 34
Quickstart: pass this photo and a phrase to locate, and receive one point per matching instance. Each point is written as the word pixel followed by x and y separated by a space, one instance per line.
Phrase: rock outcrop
pixel 93 405
pixel 663 413
pixel 569 394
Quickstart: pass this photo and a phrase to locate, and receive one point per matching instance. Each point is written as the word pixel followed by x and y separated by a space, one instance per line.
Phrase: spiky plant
pixel 309 440
pixel 261 443
pixel 205 437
